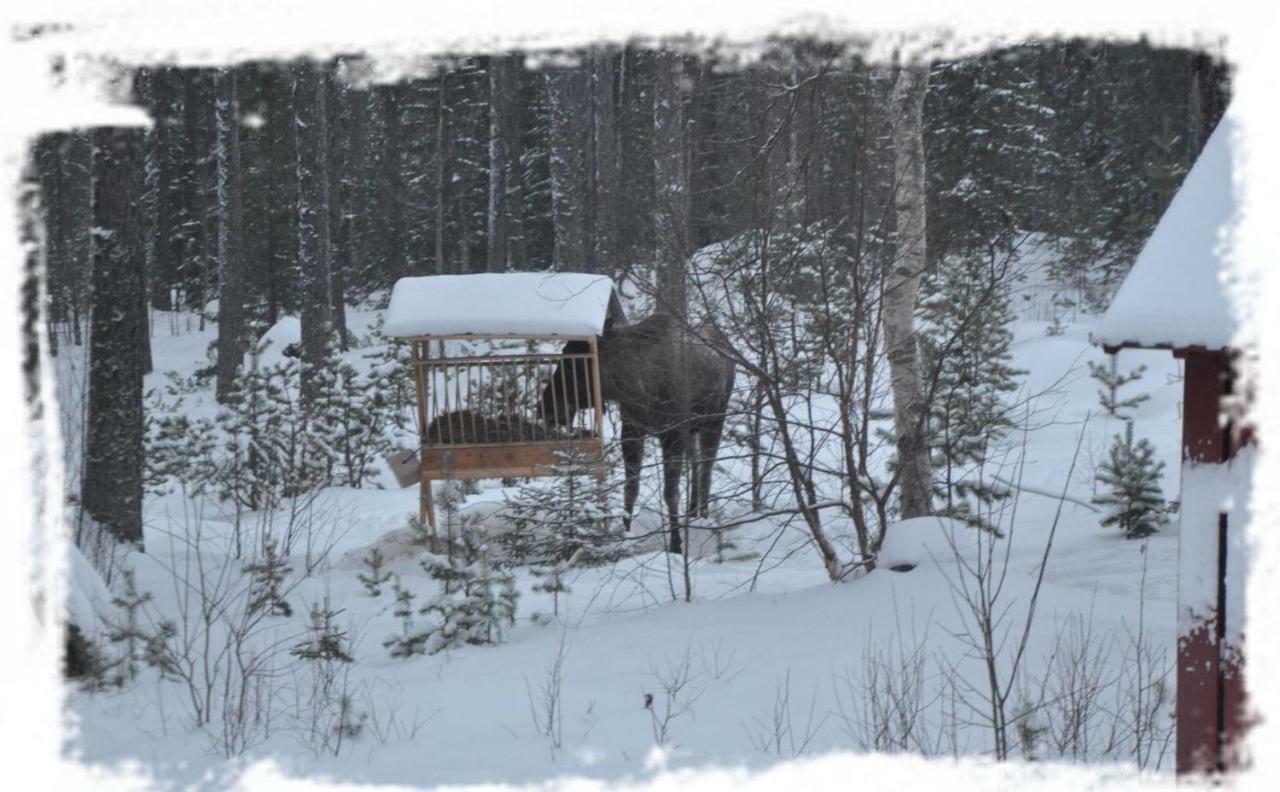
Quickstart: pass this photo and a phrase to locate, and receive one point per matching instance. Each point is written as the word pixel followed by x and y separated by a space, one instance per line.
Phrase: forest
pixel 904 261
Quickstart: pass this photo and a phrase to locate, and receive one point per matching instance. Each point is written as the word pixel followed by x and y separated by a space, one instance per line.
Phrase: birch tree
pixel 901 286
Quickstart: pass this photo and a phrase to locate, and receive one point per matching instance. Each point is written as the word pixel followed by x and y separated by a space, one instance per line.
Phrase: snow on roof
pixel 1175 295
pixel 514 303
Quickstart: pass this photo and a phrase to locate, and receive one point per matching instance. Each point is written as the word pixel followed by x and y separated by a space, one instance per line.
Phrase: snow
pixel 516 303
pixel 287 330
pixel 88 599
pixel 764 617
pixel 1175 296
pixel 1207 491
pixel 926 540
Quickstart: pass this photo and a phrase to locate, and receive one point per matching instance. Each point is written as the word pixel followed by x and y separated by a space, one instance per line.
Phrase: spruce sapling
pixel 373 581
pixel 269 575
pixel 1112 380
pixel 1134 502
pixel 129 632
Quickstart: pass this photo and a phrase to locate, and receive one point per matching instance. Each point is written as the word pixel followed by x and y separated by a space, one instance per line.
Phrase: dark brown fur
pixel 667 384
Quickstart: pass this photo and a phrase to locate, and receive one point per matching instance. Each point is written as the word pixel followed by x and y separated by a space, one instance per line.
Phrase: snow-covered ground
pixel 772 657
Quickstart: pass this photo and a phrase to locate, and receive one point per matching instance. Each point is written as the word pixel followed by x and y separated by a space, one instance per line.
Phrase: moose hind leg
pixel 672 468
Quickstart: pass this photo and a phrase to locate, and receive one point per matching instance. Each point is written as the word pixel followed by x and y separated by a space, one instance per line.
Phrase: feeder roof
pixel 533 304
pixel 1175 295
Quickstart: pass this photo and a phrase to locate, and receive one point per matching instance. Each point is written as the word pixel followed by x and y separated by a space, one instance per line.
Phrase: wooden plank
pixel 498 460
pixel 498 359
pixel 497 336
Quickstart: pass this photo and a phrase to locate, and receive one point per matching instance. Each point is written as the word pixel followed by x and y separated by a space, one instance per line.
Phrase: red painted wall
pixel 1211 692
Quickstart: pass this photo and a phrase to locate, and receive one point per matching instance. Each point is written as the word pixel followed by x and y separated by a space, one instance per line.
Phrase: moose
pixel 669 382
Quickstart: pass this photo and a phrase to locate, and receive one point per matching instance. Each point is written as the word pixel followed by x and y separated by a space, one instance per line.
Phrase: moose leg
pixel 672 467
pixel 708 448
pixel 632 458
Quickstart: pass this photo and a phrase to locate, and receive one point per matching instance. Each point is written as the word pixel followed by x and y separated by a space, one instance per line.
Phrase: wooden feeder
pixel 1173 299
pixel 485 348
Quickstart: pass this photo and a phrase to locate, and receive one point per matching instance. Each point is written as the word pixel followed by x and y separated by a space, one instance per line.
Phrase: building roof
pixel 535 304
pixel 1175 295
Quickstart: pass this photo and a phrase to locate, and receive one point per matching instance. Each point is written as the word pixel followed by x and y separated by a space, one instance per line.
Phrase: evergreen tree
pixel 1134 502
pixel 268 575
pixel 966 353
pixel 1112 380
pixel 315 246
pixel 111 487
pixel 323 641
pixel 563 520
pixel 229 239
pixel 373 580
pixel 474 604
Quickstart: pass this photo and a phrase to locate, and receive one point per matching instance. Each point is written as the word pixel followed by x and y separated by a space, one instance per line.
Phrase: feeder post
pixel 426 509
pixel 599 400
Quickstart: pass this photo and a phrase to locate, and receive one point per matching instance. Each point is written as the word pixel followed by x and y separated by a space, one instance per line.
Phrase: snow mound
pixel 516 303
pixel 397 544
pixel 272 344
pixel 88 598
pixel 926 541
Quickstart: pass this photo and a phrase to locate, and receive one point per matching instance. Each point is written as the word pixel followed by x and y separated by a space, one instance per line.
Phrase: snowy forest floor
pixel 768 662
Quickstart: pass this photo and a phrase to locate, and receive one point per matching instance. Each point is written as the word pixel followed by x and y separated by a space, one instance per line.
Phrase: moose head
pixel 570 388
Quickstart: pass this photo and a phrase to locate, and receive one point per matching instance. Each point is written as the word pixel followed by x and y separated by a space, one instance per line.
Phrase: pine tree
pixel 408 641
pixel 111 487
pixel 373 581
pixel 129 631
pixel 268 575
pixel 966 352
pixel 475 602
pixel 323 641
pixel 1112 381
pixel 229 239
pixel 315 246
pixel 563 521
pixel 1134 501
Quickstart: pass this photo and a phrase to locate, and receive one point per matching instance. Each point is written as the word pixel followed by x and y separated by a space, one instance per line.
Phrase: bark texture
pixel 902 285
pixel 111 489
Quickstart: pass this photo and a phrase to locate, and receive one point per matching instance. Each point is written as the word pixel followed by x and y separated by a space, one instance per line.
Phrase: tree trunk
pixel 441 156
pixel 339 197
pixel 230 250
pixel 504 161
pixel 313 223
pixel 672 91
pixel 605 171
pixel 111 490
pixel 568 108
pixel 903 282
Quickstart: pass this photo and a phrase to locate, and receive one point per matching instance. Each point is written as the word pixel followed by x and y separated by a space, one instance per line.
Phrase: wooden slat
pixel 499 460
pixel 498 359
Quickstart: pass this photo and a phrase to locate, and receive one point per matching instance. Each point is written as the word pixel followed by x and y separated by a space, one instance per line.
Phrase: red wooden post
pixel 1210 704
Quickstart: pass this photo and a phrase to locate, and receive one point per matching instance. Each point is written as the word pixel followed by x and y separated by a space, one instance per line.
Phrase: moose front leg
pixel 672 468
pixel 632 458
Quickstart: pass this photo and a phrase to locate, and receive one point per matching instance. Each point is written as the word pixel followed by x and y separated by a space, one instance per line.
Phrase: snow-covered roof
pixel 515 303
pixel 1175 295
